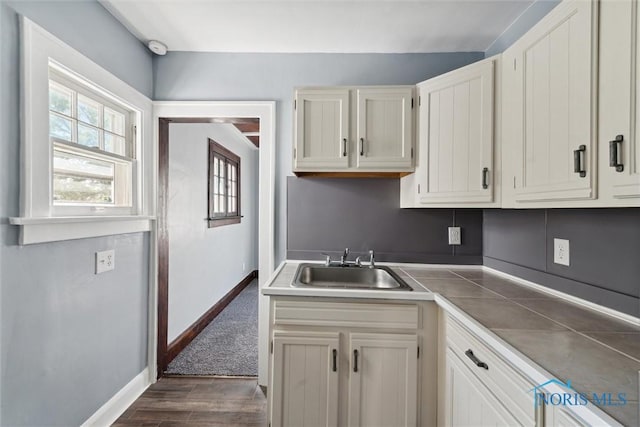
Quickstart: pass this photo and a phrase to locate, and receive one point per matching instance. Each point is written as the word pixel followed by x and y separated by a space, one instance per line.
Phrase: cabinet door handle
pixel 355 360
pixel 475 360
pixel 362 146
pixel 485 178
pixel 335 360
pixel 578 161
pixel 614 154
pixel 344 147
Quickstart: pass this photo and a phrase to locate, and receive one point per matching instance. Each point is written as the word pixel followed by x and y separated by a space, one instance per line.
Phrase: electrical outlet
pixel 455 236
pixel 105 261
pixel 561 251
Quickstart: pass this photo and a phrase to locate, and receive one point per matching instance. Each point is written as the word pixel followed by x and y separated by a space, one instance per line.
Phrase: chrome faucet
pixel 372 261
pixel 343 258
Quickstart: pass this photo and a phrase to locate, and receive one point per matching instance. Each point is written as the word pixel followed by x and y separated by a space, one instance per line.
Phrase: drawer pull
pixel 335 360
pixel 579 160
pixel 355 360
pixel 485 178
pixel 614 154
pixel 475 360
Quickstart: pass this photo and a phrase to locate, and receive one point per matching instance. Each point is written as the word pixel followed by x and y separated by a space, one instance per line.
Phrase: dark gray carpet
pixel 228 345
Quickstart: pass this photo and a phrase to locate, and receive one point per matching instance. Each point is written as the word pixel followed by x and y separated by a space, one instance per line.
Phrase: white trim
pixel 266 111
pixel 111 411
pixel 43 230
pixel 579 301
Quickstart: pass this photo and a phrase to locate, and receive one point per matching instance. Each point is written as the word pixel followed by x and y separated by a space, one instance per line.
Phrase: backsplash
pixel 604 251
pixel 330 214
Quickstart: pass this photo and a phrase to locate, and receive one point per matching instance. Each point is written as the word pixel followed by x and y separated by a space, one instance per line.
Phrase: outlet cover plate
pixel 561 252
pixel 455 237
pixel 105 261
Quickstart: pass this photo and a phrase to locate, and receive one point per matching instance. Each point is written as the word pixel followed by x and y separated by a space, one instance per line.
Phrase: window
pixel 224 186
pixel 86 146
pixel 93 153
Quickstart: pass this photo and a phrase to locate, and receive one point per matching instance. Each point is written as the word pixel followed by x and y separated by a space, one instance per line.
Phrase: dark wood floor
pixel 198 401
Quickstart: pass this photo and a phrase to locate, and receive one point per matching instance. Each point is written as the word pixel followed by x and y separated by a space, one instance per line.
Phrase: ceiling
pixel 381 26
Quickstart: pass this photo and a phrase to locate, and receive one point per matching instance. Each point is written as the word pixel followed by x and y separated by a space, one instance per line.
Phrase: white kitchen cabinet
pixel 322 129
pixel 377 376
pixel 305 382
pixel 549 107
pixel 354 130
pixel 557 416
pixel 456 138
pixel 619 107
pixel 384 128
pixel 467 401
pixel 383 381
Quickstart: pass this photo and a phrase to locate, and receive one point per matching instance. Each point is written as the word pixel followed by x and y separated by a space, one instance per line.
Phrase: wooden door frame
pixel 205 112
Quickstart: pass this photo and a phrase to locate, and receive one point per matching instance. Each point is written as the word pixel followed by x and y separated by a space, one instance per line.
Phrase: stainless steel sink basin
pixel 351 277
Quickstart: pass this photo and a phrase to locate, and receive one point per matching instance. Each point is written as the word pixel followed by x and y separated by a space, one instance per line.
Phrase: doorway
pixel 244 114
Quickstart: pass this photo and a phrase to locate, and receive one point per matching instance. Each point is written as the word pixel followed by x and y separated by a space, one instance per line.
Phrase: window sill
pixel 54 229
pixel 219 222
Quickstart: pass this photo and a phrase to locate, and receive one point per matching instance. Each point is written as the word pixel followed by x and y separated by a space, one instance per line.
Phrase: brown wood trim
pixel 163 244
pixel 192 331
pixel 255 139
pixel 218 222
pixel 352 174
pixel 248 127
pixel 231 120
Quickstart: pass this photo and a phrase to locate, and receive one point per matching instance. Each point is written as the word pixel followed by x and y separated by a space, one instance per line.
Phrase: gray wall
pixel 604 251
pixel 69 339
pixel 206 263
pixel 328 215
pixel 229 76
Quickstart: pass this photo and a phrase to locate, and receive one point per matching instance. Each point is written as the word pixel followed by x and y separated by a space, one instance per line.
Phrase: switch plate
pixel 561 251
pixel 105 261
pixel 455 236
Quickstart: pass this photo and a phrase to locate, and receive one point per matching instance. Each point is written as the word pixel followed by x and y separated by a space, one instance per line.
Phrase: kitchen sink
pixel 348 277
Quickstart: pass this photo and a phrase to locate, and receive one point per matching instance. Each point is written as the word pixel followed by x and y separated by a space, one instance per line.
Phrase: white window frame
pixel 39 220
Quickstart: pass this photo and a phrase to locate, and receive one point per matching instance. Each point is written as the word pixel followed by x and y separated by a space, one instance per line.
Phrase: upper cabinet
pixel 619 95
pixel 549 107
pixel 456 140
pixel 354 129
pixel 322 129
pixel 385 128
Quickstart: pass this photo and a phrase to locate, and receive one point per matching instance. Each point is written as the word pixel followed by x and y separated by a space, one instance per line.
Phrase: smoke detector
pixel 157 47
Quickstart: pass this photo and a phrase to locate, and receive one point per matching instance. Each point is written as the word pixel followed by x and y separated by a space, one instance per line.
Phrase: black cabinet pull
pixel 335 360
pixel 485 178
pixel 344 147
pixel 475 360
pixel 614 153
pixel 578 160
pixel 362 146
pixel 355 360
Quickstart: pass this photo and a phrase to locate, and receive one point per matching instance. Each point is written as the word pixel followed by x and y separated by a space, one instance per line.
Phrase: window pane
pixel 60 99
pixel 82 180
pixel 88 136
pixel 114 144
pixel 60 127
pixel 113 121
pixel 88 110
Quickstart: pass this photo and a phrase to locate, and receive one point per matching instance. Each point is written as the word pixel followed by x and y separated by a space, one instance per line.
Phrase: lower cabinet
pixel 348 364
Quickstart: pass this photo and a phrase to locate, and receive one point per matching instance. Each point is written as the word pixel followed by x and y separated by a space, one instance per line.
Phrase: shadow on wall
pixel 329 214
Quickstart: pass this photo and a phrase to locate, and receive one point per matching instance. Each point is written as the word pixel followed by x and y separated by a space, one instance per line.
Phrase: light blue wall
pixel 253 76
pixel 69 339
pixel 521 25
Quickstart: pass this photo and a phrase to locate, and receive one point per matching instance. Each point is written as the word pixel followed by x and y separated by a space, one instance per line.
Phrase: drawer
pixel 507 384
pixel 346 314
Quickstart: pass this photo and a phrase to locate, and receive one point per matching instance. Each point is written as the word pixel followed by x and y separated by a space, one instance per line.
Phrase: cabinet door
pixel 322 129
pixel 383 380
pixel 467 401
pixel 619 99
pixel 456 136
pixel 554 137
pixel 304 385
pixel 385 132
pixel 559 417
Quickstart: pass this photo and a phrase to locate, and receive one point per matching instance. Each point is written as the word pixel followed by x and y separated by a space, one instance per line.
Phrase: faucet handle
pixel 372 262
pixel 327 260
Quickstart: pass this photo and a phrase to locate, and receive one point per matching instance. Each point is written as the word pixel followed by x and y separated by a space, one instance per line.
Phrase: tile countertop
pixel 597 352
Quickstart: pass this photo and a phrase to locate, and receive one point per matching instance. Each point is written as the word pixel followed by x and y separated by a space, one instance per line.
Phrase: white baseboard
pixel 111 411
